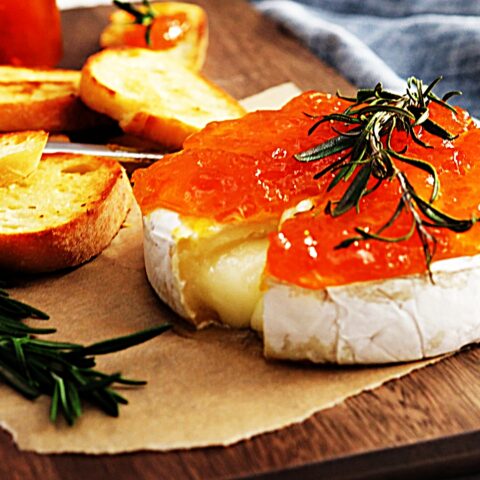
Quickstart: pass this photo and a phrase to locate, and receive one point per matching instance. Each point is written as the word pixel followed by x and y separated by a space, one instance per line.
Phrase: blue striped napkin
pixel 389 40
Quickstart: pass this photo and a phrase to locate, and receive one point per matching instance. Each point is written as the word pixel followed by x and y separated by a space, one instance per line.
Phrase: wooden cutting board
pixel 426 425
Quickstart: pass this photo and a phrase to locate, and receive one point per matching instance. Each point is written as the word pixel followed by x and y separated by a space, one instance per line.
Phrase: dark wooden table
pixel 426 425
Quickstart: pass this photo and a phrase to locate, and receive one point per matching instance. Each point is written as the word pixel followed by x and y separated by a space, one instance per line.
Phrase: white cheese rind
pixel 161 261
pixel 392 320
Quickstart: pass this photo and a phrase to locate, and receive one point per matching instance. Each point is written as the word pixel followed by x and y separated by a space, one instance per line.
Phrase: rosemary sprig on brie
pixel 367 156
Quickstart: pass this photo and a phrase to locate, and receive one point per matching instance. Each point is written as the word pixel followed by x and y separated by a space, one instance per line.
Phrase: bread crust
pixel 61 114
pixel 167 131
pixel 97 95
pixel 56 108
pixel 75 241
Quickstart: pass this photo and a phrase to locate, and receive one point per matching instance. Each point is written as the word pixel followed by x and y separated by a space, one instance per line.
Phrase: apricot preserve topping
pixel 159 32
pixel 396 218
pixel 371 157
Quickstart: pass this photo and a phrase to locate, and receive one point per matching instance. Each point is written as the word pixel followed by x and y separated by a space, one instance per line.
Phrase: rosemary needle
pixel 372 117
pixel 145 16
pixel 64 371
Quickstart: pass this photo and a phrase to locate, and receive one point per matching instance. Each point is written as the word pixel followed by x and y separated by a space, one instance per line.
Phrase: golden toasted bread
pixel 179 28
pixel 36 99
pixel 153 96
pixel 63 214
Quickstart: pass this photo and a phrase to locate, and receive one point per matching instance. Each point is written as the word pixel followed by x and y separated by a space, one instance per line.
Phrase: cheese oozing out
pixel 215 271
pixel 227 282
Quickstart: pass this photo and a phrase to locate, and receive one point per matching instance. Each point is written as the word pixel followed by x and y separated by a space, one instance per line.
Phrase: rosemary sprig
pixel 368 154
pixel 64 371
pixel 142 16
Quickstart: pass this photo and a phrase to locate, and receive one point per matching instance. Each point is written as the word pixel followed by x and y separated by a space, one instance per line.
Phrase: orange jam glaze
pixel 244 169
pixel 166 32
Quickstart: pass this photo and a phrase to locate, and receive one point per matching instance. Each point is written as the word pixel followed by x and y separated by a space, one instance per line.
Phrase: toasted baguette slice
pixel 153 96
pixel 20 154
pixel 35 99
pixel 179 28
pixel 66 212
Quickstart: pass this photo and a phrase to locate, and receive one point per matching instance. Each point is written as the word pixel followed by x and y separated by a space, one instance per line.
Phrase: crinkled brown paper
pixel 204 388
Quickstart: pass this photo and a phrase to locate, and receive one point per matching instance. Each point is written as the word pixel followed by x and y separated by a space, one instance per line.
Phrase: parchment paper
pixel 211 387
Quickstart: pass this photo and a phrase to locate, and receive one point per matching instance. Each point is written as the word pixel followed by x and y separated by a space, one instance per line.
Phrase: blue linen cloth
pixel 390 40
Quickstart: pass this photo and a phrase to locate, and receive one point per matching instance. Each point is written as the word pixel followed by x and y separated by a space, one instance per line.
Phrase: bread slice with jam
pixel 179 28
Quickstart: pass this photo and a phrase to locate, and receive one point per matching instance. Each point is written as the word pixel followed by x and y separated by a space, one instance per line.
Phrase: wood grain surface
pixel 426 425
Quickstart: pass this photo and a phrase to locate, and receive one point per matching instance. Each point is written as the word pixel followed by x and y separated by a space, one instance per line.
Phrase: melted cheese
pixel 227 282
pixel 207 273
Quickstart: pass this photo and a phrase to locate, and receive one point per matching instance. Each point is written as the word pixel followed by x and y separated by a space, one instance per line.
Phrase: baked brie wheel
pixel 242 228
